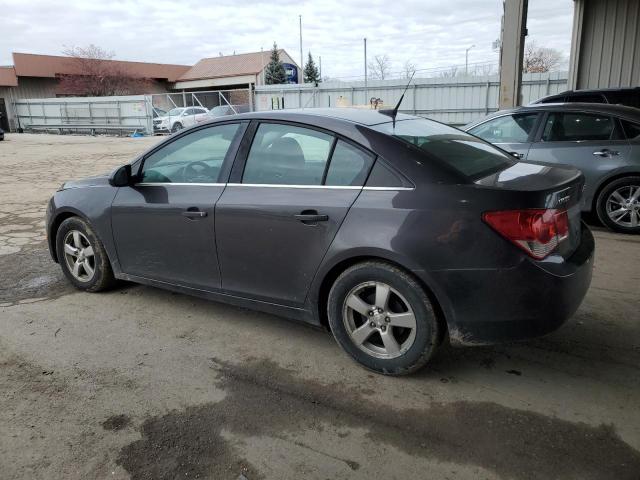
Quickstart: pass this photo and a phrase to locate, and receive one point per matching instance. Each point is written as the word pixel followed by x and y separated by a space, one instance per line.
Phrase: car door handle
pixel 310 217
pixel 194 214
pixel 605 152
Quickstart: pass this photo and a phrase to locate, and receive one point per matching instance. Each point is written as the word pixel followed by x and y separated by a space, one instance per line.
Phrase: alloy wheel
pixel 379 320
pixel 623 206
pixel 79 256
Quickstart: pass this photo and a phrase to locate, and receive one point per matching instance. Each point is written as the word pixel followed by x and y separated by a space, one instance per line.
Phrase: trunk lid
pixel 540 186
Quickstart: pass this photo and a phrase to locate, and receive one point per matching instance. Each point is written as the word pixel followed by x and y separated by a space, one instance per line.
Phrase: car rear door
pixel 512 132
pixel 589 141
pixel 287 198
pixel 164 225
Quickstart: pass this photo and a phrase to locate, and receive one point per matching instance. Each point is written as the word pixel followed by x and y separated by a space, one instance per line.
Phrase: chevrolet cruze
pixel 396 233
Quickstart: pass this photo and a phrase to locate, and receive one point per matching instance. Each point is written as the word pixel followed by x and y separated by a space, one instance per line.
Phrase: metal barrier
pixel 93 114
pixel 133 113
pixel 456 101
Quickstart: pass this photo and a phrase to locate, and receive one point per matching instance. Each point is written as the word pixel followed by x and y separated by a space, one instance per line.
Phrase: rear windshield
pixel 467 154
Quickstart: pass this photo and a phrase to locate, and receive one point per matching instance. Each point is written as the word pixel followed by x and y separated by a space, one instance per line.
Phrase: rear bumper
pixel 532 299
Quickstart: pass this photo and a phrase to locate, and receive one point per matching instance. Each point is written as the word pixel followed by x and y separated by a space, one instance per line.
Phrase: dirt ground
pixel 146 384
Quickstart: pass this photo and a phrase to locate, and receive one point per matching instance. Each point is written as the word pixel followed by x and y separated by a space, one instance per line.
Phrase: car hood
pixel 97 181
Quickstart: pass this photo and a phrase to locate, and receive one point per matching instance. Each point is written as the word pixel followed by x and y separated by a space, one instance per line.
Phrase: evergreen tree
pixel 274 73
pixel 311 74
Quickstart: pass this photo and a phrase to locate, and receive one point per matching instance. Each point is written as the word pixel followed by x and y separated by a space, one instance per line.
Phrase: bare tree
pixel 380 67
pixel 451 72
pixel 96 74
pixel 540 59
pixel 408 69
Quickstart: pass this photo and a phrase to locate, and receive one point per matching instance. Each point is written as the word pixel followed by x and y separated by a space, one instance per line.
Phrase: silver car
pixel 601 140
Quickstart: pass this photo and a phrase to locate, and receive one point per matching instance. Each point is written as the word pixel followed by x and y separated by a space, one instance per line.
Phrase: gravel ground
pixel 142 383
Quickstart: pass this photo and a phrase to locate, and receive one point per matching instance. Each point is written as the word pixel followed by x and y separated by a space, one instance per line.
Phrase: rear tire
pixel 82 256
pixel 382 317
pixel 618 205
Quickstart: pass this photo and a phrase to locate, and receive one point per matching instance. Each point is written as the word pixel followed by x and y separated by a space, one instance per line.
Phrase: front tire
pixel 176 127
pixel 82 256
pixel 618 205
pixel 382 317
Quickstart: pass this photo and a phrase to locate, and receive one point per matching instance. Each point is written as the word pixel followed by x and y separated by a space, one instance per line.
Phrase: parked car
pixel 1 134
pixel 603 141
pixel 221 111
pixel 177 119
pixel 629 97
pixel 394 234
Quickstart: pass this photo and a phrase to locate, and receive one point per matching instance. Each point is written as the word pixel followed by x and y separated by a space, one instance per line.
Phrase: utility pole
pixel 300 73
pixel 466 60
pixel 263 65
pixel 366 93
pixel 320 60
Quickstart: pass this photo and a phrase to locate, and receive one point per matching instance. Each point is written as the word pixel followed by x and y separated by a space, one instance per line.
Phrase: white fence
pixel 456 101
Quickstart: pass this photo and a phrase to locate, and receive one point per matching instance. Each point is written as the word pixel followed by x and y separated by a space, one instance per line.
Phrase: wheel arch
pixel 332 273
pixel 604 183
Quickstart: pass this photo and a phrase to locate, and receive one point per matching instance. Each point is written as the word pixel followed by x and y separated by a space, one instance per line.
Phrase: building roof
pixel 32 65
pixel 230 65
pixel 8 77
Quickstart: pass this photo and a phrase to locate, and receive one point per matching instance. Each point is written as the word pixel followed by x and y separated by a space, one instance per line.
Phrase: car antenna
pixel 394 113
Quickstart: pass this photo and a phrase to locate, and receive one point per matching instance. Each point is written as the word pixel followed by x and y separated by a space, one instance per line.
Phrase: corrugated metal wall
pixel 28 87
pixel 456 101
pixel 606 44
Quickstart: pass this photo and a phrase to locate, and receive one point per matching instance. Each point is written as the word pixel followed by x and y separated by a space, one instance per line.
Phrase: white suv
pixel 178 118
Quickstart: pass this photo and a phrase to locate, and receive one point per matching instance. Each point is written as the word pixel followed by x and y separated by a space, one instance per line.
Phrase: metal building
pixel 605 45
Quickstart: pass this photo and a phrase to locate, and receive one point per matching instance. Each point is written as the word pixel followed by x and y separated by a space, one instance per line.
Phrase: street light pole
pixel 466 60
pixel 300 74
pixel 366 93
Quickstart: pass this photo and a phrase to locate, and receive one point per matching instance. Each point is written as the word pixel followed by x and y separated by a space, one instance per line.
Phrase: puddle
pixel 264 399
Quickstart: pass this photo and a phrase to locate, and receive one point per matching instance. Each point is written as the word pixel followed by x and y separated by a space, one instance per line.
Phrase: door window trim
pixel 227 163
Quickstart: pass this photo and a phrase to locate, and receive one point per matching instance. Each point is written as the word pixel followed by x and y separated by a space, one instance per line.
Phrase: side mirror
pixel 121 177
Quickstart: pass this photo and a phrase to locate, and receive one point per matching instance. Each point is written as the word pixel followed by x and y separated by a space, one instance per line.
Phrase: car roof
pixel 629 113
pixel 362 116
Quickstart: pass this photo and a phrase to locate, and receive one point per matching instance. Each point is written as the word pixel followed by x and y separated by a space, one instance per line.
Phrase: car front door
pixel 292 190
pixel 512 132
pixel 591 142
pixel 164 225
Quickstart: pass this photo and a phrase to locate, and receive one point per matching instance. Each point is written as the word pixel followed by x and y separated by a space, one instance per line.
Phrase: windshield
pixel 467 154
pixel 174 112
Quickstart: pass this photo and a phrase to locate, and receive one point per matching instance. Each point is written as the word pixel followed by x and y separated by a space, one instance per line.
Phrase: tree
pixel 379 67
pixel 408 69
pixel 451 72
pixel 311 73
pixel 275 73
pixel 97 75
pixel 540 59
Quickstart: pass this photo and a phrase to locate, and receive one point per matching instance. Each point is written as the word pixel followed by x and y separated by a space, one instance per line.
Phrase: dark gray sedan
pixel 603 141
pixel 396 235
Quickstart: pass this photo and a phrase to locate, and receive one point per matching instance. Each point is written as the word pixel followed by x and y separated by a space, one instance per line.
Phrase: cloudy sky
pixel 428 33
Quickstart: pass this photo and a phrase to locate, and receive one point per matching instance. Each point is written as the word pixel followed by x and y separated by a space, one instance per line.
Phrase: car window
pixel 349 165
pixel 571 127
pixel 631 130
pixel 467 154
pixel 587 98
pixel 625 97
pixel 507 129
pixel 287 155
pixel 554 99
pixel 194 158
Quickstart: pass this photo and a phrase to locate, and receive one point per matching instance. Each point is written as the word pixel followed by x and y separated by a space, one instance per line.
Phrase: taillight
pixel 537 231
